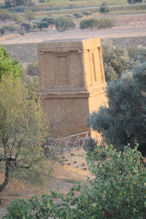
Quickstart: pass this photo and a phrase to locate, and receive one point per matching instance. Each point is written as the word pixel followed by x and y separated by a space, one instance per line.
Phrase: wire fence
pixel 55 146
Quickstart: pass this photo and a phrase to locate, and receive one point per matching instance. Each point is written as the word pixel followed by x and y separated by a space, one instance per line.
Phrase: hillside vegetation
pixel 77 3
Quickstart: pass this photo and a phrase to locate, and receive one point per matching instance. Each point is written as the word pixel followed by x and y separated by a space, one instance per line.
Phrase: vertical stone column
pixel 71 83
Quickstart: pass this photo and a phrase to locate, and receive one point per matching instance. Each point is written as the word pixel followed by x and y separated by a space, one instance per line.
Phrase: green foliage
pixel 14 3
pixel 86 13
pixel 104 8
pixel 48 20
pixel 5 15
pixel 137 55
pixel 96 23
pixel 122 122
pixel 10 28
pixel 105 23
pixel 2 30
pixel 116 60
pixel 134 1
pixel 77 15
pixel 88 23
pixel 41 1
pixel 42 24
pixel 17 18
pixel 63 24
pixel 141 55
pixel 27 27
pixel 9 66
pixel 18 9
pixel 29 15
pixel 36 175
pixel 90 144
pixel 32 69
pixel 116 192
pixel 22 128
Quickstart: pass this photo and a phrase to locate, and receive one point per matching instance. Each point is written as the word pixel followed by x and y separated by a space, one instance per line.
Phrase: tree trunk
pixel 6 180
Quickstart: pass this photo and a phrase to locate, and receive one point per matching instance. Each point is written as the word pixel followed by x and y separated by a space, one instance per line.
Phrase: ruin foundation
pixel 72 83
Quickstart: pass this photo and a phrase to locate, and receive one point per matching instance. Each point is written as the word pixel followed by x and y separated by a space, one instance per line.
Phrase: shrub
pixel 105 23
pixel 2 31
pixel 20 9
pixel 14 3
pixel 77 15
pixel 5 15
pixel 104 8
pixel 63 24
pixel 17 18
pixel 96 23
pixel 20 31
pixel 132 51
pixel 26 26
pixel 32 69
pixel 8 66
pixel 86 13
pixel 141 55
pixel 137 55
pixel 10 28
pixel 122 122
pixel 48 20
pixel 116 60
pixel 42 24
pixel 134 1
pixel 88 23
pixel 29 15
pixel 116 192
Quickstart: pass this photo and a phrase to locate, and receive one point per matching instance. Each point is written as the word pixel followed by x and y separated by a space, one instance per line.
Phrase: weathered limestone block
pixel 72 83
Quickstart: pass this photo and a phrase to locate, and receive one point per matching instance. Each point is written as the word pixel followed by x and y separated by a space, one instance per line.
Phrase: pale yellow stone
pixel 72 83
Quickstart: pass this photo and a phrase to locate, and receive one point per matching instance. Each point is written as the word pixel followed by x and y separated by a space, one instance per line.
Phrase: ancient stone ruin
pixel 71 83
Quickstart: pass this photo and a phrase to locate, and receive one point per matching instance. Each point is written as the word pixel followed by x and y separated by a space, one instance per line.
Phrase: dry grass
pixel 74 170
pixel 76 2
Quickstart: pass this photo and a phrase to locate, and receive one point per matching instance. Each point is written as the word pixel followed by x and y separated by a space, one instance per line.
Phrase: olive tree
pixel 116 60
pixel 21 127
pixel 122 122
pixel 63 24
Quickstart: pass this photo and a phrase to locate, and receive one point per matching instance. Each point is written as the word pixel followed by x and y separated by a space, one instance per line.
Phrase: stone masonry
pixel 72 83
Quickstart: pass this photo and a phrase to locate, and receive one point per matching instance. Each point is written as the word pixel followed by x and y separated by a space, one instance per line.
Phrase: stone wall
pixel 72 83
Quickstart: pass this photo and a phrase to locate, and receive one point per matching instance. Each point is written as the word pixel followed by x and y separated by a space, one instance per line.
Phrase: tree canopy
pixel 14 3
pixel 9 66
pixel 134 1
pixel 116 60
pixel 21 127
pixel 117 191
pixel 63 23
pixel 122 122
